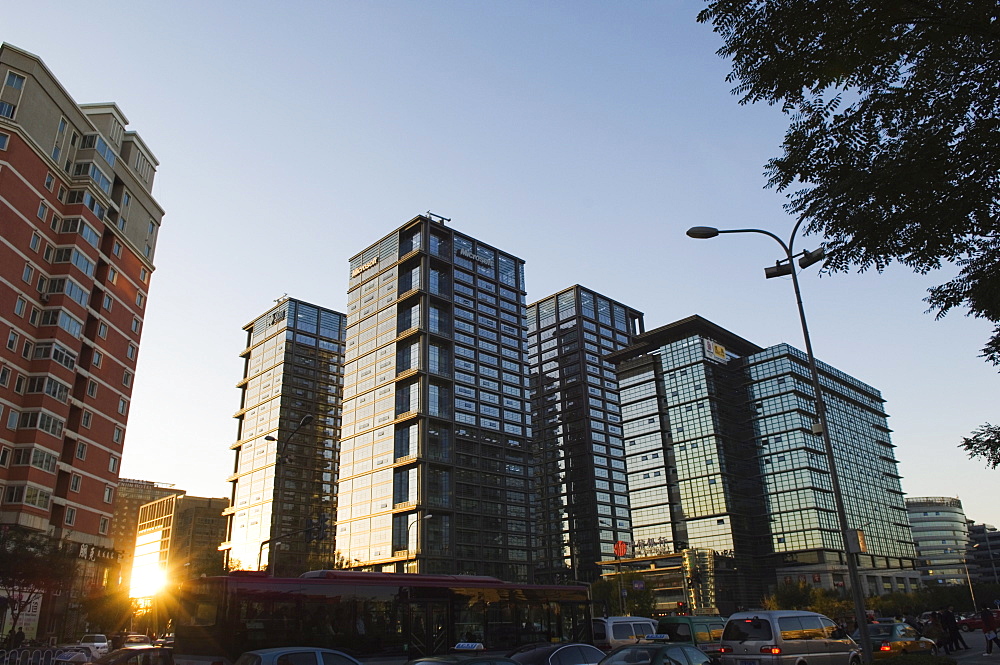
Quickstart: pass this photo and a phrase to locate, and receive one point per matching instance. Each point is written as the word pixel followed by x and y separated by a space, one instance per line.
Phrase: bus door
pixel 428 628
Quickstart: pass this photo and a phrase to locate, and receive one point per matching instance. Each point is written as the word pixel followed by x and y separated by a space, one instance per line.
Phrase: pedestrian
pixel 934 631
pixel 989 629
pixel 18 639
pixel 950 626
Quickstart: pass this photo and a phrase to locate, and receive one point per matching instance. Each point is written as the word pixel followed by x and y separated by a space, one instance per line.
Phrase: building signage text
pixel 472 256
pixel 364 266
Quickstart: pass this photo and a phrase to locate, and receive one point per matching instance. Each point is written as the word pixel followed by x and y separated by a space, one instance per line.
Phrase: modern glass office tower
pixel 434 454
pixel 285 469
pixel 941 536
pixel 983 553
pixel 721 456
pixel 582 504
pixel 689 450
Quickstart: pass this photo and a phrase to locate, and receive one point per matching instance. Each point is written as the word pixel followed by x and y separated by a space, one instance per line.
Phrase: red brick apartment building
pixel 78 230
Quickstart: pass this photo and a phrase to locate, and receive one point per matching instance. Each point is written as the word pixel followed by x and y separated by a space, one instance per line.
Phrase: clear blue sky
pixel 583 136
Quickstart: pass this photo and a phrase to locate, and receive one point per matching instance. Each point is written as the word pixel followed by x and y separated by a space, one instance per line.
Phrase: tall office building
pixel 582 505
pixel 78 231
pixel 722 456
pixel 177 538
pixel 285 470
pixel 130 497
pixel 941 536
pixel 434 452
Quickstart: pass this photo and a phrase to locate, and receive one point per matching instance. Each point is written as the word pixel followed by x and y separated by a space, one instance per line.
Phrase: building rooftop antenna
pixel 437 218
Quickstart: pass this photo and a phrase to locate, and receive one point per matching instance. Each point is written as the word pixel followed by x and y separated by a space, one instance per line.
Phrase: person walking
pixel 950 626
pixel 18 639
pixel 989 629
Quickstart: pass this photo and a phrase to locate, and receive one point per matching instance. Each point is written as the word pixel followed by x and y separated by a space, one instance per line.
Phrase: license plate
pixel 748 662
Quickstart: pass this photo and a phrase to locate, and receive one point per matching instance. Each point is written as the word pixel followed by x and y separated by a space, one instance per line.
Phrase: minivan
pixel 97 641
pixel 786 637
pixel 704 632
pixel 613 632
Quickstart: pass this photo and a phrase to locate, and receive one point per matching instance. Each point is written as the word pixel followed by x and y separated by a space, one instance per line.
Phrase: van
pixel 703 632
pixel 96 641
pixel 612 632
pixel 786 637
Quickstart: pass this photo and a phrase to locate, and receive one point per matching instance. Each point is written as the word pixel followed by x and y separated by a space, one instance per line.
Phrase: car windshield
pixel 632 655
pixel 744 630
pixel 876 631
pixel 676 632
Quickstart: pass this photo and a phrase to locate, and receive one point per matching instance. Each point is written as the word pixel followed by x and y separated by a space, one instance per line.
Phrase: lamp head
pixel 702 232
pixel 427 516
pixel 306 419
pixel 269 438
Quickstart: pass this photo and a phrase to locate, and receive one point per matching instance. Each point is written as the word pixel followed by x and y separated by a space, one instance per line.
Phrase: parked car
pixel 295 656
pixel 569 653
pixel 138 654
pixel 466 653
pixel 973 622
pixel 786 637
pixel 97 641
pixel 893 639
pixel 703 632
pixel 136 638
pixel 611 632
pixel 661 653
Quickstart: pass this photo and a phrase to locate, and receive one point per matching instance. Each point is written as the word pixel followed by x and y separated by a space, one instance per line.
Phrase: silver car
pixel 786 637
pixel 295 656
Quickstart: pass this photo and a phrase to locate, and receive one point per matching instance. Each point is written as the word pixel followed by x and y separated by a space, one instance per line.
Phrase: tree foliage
pixel 31 564
pixel 984 443
pixel 893 148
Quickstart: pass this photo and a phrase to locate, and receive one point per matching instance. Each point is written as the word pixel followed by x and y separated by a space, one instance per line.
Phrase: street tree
pixel 984 444
pixel 31 565
pixel 893 147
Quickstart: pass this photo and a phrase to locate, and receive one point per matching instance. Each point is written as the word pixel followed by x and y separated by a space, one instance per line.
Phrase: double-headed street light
pixel 276 516
pixel 850 537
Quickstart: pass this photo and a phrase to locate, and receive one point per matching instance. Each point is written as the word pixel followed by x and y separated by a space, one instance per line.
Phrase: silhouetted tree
pixel 31 564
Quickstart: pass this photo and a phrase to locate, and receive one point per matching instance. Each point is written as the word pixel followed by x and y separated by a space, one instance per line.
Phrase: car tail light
pixel 725 649
pixel 885 647
pixel 771 650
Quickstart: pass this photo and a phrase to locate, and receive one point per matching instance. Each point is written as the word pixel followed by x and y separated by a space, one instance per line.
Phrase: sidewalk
pixel 974 654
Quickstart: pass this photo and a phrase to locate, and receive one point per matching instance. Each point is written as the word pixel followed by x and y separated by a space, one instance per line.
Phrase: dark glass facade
pixel 579 477
pixel 434 455
pixel 722 456
pixel 293 368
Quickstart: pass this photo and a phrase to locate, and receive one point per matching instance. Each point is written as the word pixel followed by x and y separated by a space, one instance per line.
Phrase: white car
pixel 96 641
pixel 295 656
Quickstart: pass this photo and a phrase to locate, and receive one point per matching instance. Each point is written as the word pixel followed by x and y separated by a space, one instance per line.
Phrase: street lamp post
pixel 850 536
pixel 416 544
pixel 968 577
pixel 279 481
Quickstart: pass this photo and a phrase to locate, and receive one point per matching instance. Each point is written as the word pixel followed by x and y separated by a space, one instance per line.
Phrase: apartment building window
pixel 122 405
pixel 36 240
pixel 81 450
pixel 109 494
pixel 132 351
pixel 50 181
pixel 102 330
pixel 12 338
pixel 108 302
pixel 127 379
pixel 27 273
pixel 4 376
pixel 12 418
pixel 92 388
pixel 97 358
pixel 103 528
pixel 4 456
pixel 75 482
pixel 7 110
pixel 140 299
pixel 4 138
pixel 19 385
pixel 116 249
pixel 15 81
pixel 112 276
pixel 87 418
pixel 43 211
pixel 143 275
pixel 70 516
pixel 113 464
pixel 136 326
pixel 26 351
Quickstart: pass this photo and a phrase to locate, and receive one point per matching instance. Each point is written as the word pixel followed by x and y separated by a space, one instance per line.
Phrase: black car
pixel 139 654
pixel 557 654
